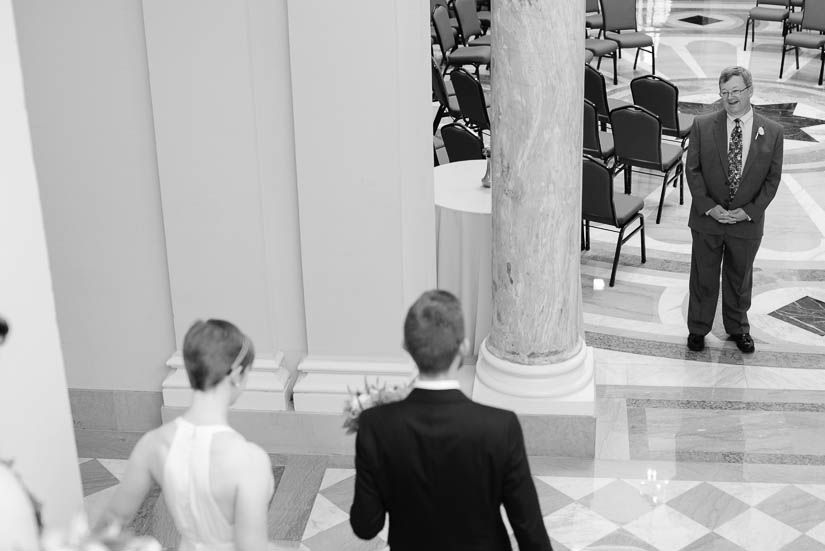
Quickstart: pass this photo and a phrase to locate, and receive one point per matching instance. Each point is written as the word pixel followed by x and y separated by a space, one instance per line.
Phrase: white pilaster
pixel 362 103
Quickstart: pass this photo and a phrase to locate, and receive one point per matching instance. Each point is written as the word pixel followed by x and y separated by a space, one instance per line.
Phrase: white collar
pixel 438 384
pixel 744 119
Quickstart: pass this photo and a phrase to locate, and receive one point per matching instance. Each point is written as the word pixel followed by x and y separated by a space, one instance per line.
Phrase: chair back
pixel 439 87
pixel 813 16
pixel 637 136
pixel 619 15
pixel 591 6
pixel 597 192
pixel 595 90
pixel 443 30
pixel 468 22
pixel 658 96
pixel 470 97
pixel 591 145
pixel 461 144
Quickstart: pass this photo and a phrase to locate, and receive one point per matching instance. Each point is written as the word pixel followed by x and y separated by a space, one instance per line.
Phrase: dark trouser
pixel 734 256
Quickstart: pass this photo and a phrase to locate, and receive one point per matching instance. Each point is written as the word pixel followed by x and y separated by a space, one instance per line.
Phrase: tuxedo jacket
pixel 707 174
pixel 442 465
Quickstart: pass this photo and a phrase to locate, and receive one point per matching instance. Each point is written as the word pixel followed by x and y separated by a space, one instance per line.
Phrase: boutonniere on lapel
pixel 760 132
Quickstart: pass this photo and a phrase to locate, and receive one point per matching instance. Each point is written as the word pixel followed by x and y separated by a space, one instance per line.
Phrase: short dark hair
pixel 730 72
pixel 434 331
pixel 211 349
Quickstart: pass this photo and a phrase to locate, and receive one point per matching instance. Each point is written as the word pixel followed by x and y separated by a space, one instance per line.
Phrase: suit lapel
pixel 758 122
pixel 720 133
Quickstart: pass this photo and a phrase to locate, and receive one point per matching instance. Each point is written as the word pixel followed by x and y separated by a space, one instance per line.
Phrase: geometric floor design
pixel 587 512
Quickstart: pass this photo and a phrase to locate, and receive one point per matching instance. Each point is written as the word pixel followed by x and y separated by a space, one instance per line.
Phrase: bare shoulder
pixel 241 456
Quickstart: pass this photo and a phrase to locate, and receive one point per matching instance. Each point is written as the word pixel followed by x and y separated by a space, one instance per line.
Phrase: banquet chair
pixel 620 15
pixel 596 143
pixel 603 48
pixel 767 10
pixel 471 102
pixel 469 25
pixel 637 135
pixel 661 97
pixel 454 55
pixel 601 206
pixel 461 144
pixel 447 102
pixel 813 19
pixel 794 16
pixel 595 90
pixel 593 16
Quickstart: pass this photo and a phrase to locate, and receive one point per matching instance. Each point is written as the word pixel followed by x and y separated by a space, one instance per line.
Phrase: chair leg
pixel 681 184
pixel 653 58
pixel 636 59
pixel 747 24
pixel 615 71
pixel 782 64
pixel 642 232
pixel 616 256
pixel 796 50
pixel 662 199
pixel 821 64
pixel 587 234
pixel 599 63
pixel 438 116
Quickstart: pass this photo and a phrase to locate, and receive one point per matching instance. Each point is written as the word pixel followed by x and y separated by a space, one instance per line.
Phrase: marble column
pixel 535 359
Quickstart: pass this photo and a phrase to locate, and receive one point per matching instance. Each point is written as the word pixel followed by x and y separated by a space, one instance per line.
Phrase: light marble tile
pixel 576 526
pixel 575 487
pixel 818 532
pixel 755 531
pixel 666 490
pixel 666 529
pixel 751 493
pixel 787 378
pixel 334 476
pixel 817 490
pixel 115 466
pixel 324 515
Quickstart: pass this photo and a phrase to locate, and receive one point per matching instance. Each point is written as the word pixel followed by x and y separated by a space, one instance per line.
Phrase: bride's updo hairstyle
pixel 212 349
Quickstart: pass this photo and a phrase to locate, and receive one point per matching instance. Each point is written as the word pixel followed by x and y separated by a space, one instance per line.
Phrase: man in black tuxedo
pixel 734 164
pixel 440 464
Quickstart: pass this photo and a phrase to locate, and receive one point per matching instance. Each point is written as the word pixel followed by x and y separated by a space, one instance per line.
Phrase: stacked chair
pixel 469 24
pixel 471 102
pixel 601 206
pixel 637 135
pixel 661 97
pixel 596 143
pixel 619 20
pixel 595 90
pixel 461 144
pixel 812 26
pixel 767 10
pixel 454 55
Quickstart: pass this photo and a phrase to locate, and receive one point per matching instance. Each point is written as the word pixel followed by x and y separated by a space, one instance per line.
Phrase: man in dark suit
pixel 440 464
pixel 734 164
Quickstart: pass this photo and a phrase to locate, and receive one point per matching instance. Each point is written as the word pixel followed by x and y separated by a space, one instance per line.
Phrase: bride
pixel 217 485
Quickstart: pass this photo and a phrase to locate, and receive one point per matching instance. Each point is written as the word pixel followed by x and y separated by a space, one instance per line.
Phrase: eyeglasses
pixel 732 93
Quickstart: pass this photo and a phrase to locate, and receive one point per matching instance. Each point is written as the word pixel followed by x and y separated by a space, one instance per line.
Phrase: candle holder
pixel 485 180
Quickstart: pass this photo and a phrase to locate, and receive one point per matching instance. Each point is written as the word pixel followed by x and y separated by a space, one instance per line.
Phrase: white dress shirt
pixel 437 384
pixel 746 121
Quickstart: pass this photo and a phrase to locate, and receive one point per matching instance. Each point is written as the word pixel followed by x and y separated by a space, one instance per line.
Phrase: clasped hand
pixel 724 216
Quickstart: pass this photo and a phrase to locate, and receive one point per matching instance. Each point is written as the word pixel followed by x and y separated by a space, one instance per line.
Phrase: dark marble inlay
pixel 740 457
pixel 806 313
pixel 700 20
pixel 729 405
pixel 783 113
pixel 732 356
pixel 95 477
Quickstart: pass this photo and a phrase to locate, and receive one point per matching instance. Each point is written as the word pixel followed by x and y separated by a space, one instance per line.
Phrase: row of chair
pixel 615 21
pixel 474 50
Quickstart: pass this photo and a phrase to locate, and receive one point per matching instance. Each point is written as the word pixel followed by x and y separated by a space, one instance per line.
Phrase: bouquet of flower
pixel 372 395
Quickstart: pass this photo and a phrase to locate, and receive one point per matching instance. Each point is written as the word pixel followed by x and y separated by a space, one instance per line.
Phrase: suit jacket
pixel 442 465
pixel 707 174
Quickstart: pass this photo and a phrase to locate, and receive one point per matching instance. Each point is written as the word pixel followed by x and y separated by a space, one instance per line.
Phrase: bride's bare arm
pixel 255 489
pixel 135 484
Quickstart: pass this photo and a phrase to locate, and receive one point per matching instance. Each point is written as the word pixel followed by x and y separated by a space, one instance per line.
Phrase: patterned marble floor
pixel 702 451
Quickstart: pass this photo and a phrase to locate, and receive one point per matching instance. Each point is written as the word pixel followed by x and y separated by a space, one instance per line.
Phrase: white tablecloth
pixel 463 243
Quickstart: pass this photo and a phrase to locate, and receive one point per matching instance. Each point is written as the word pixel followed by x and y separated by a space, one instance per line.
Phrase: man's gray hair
pixel 730 72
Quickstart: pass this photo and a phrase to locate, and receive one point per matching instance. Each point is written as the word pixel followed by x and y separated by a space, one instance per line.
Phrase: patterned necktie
pixel 735 158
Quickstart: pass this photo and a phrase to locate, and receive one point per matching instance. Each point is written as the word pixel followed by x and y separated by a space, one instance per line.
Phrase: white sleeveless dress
pixel 187 492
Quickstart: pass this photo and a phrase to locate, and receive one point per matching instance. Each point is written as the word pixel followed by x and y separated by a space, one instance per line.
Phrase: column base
pixel 268 385
pixel 565 388
pixel 323 383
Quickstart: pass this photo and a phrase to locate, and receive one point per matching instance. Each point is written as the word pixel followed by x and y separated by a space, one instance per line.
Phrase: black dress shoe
pixel 696 342
pixel 744 342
